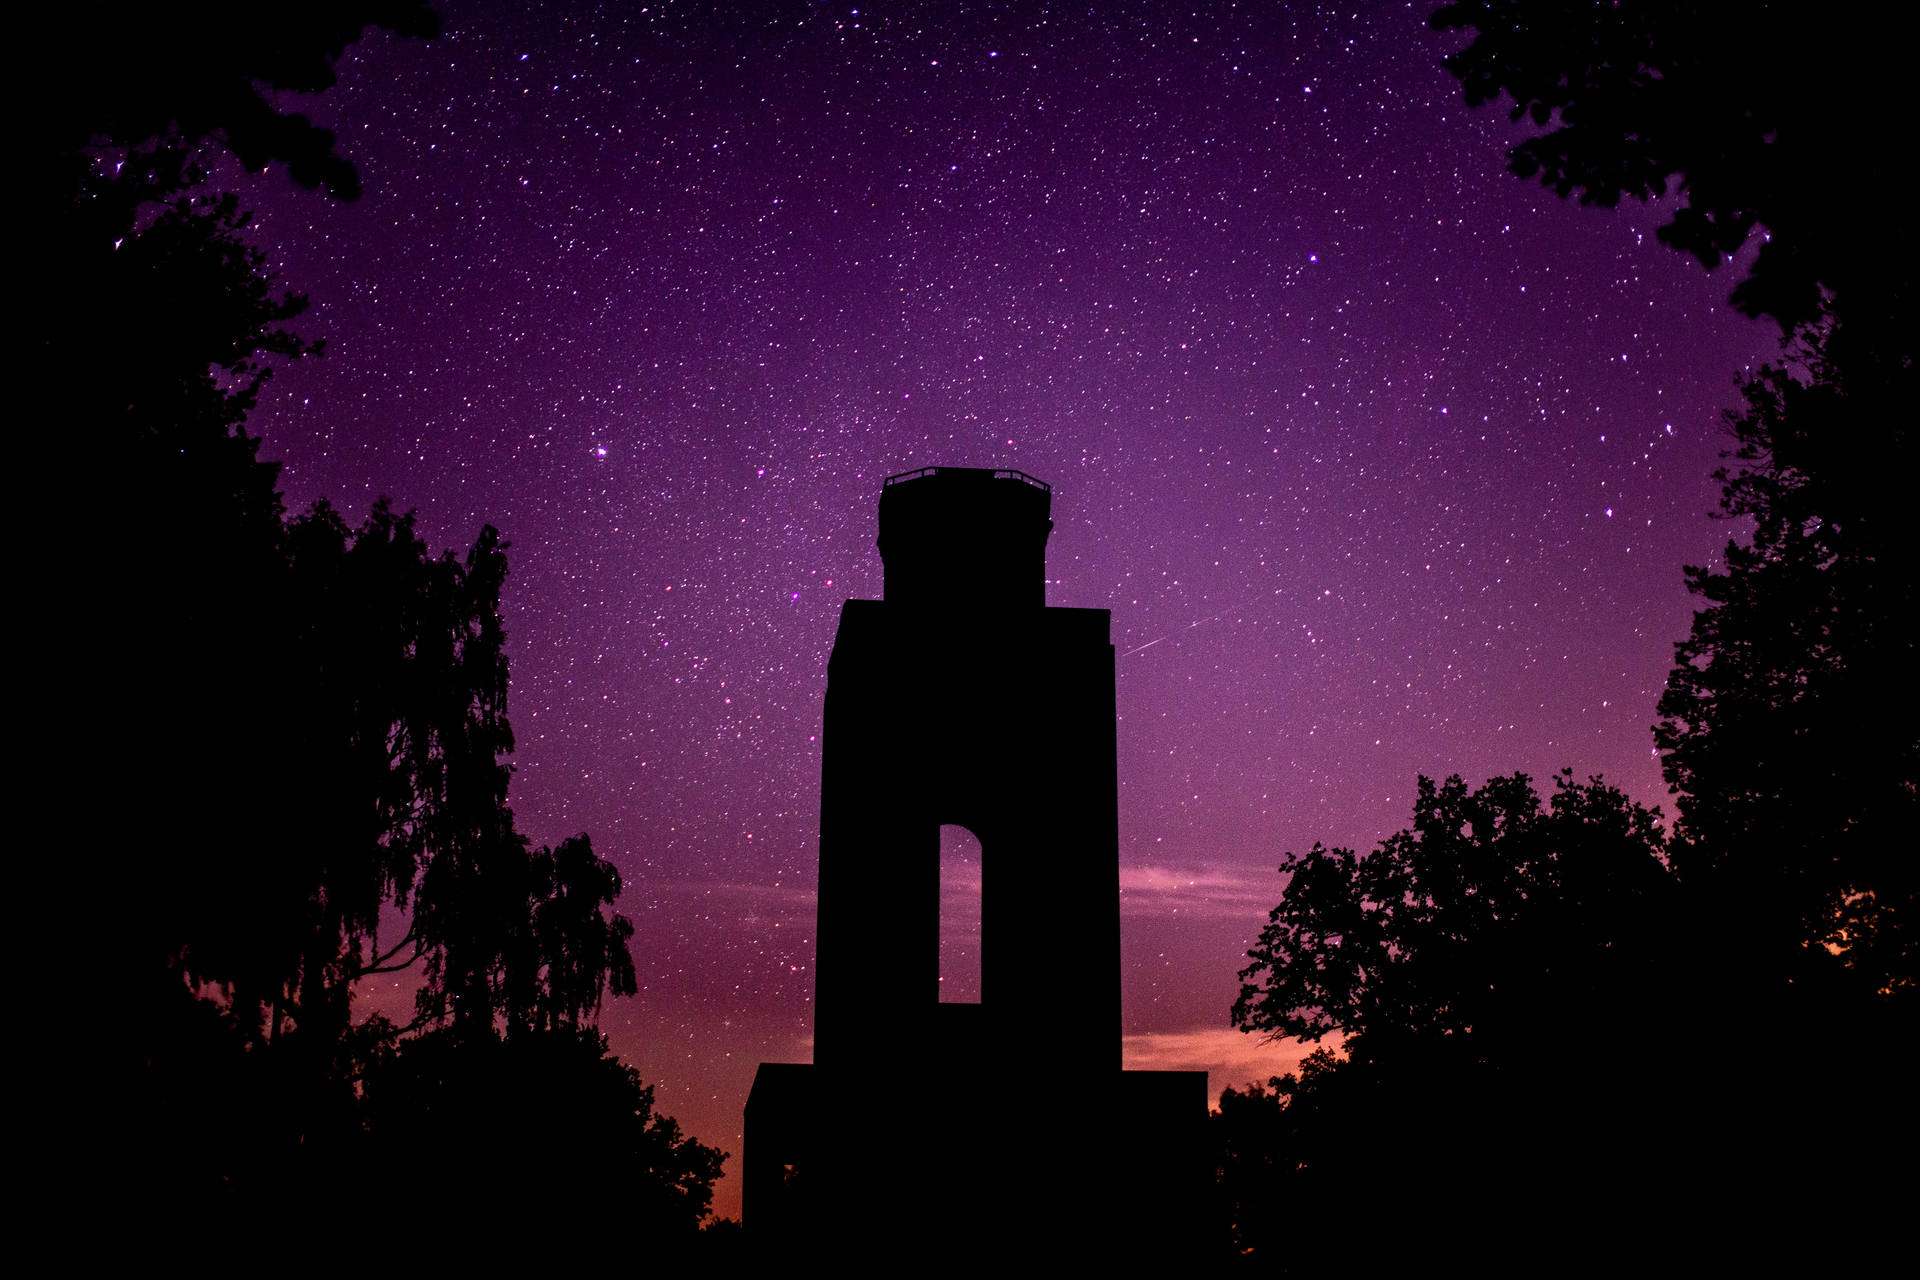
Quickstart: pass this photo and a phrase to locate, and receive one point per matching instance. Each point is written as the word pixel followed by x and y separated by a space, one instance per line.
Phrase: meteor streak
pixel 1191 625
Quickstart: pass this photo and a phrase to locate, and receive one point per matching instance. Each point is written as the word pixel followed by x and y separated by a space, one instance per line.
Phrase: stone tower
pixel 961 698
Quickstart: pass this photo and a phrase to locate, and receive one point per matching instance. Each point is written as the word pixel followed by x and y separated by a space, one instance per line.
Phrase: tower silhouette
pixel 961 698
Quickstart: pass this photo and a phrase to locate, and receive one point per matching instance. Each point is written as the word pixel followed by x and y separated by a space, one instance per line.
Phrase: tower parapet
pixel 965 539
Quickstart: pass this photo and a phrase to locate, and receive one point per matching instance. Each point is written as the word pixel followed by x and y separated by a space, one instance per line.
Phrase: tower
pixel 961 698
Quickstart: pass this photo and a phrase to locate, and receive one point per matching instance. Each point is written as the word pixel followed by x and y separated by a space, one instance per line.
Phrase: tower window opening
pixel 960 880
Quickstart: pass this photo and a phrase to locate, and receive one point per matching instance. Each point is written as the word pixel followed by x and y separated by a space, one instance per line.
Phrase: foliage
pixel 1478 967
pixel 1485 965
pixel 1764 117
pixel 155 309
pixel 545 1120
pixel 156 312
pixel 1251 1175
pixel 1488 907
pixel 1788 720
pixel 300 727
pixel 162 251
pixel 390 802
pixel 356 826
pixel 1273 1144
pixel 212 70
pixel 1534 1011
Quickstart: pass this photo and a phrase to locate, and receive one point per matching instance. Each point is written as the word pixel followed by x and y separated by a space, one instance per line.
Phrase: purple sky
pixel 1385 461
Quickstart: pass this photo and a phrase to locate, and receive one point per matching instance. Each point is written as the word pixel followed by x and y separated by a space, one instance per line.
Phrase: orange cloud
pixel 1228 1057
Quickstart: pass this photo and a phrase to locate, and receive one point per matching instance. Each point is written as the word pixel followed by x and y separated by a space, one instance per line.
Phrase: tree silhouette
pixel 1287 1154
pixel 1481 963
pixel 282 743
pixel 1256 1166
pixel 532 1141
pixel 153 311
pixel 347 804
pixel 1488 910
pixel 1788 720
pixel 1474 964
pixel 137 75
pixel 392 663
pixel 1766 118
pixel 1537 1012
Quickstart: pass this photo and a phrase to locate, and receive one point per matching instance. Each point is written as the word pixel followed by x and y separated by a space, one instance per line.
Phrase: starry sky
pixel 1385 461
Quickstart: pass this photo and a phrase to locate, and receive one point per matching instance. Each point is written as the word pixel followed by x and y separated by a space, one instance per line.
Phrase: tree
pixel 1536 1014
pixel 161 579
pixel 390 798
pixel 130 102
pixel 1788 721
pixel 1482 964
pixel 352 781
pixel 1473 965
pixel 301 727
pixel 113 189
pixel 159 322
pixel 137 75
pixel 533 1141
pixel 1254 1164
pixel 1766 118
pixel 392 795
pixel 1488 910
pixel 1278 1164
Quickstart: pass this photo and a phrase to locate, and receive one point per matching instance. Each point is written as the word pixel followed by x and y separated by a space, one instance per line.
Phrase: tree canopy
pixel 1480 969
pixel 1768 119
pixel 388 801
pixel 284 750
pixel 1487 910
pixel 1788 720
pixel 1538 1006
pixel 534 1139
pixel 1786 724
pixel 214 70
pixel 1534 1011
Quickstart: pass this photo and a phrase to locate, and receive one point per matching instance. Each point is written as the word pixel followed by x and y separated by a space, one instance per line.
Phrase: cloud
pixel 746 903
pixel 1228 1057
pixel 1205 890
pixel 725 889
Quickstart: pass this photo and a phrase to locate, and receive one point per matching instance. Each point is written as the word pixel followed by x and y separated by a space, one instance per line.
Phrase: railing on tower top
pixel 999 474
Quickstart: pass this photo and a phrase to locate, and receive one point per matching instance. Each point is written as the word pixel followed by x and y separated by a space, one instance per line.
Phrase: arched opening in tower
pixel 960 880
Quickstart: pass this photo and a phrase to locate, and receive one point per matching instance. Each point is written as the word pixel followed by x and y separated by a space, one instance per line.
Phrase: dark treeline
pixel 282 760
pixel 1571 1036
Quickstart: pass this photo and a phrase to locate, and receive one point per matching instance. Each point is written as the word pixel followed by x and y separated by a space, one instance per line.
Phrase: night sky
pixel 1385 461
